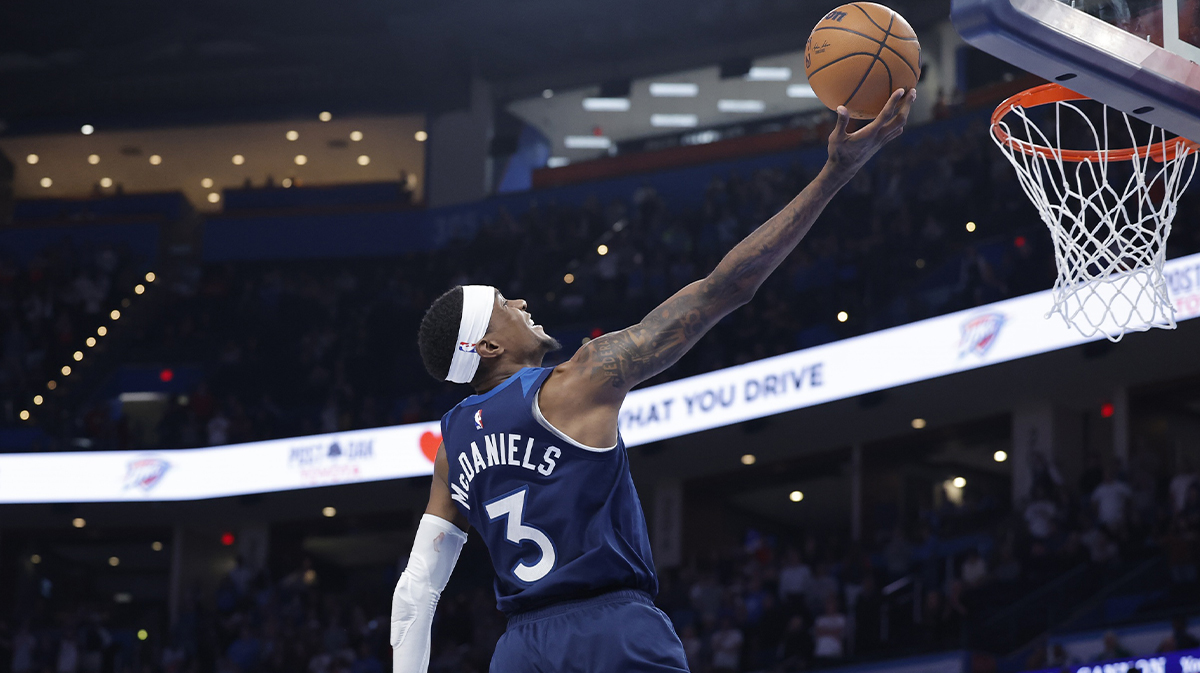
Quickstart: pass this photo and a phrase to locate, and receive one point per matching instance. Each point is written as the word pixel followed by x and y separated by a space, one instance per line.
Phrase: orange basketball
pixel 858 55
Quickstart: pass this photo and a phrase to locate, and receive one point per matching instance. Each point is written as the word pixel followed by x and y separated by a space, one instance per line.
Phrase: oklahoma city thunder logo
pixel 979 334
pixel 145 473
pixel 479 419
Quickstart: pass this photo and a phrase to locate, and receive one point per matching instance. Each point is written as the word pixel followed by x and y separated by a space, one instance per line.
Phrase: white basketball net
pixel 1109 240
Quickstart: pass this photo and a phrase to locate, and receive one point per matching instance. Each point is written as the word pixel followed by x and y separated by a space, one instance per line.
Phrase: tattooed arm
pixel 608 367
pixel 583 395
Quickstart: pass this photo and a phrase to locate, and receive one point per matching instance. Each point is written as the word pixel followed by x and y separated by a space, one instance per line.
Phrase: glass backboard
pixel 1139 56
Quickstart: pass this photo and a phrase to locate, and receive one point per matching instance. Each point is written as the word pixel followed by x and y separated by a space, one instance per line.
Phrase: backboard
pixel 1139 56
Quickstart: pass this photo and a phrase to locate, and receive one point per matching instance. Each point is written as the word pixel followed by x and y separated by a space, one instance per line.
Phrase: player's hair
pixel 439 332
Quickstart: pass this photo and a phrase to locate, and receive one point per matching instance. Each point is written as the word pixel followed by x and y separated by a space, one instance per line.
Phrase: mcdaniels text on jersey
pixel 501 449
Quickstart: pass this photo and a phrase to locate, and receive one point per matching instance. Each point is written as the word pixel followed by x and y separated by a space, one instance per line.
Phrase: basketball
pixel 858 54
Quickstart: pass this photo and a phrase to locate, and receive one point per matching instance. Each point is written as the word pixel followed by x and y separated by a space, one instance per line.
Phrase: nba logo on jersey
pixel 479 419
pixel 466 347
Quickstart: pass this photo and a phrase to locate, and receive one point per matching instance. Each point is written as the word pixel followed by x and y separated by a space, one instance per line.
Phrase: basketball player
pixel 535 463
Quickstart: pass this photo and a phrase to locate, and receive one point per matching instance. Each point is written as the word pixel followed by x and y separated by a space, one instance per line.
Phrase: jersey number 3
pixel 517 531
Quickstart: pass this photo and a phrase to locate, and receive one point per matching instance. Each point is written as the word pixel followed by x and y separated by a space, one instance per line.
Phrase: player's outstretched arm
pixel 440 537
pixel 616 362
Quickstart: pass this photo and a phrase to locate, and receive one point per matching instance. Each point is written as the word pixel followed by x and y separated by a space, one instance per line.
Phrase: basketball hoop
pixel 1109 241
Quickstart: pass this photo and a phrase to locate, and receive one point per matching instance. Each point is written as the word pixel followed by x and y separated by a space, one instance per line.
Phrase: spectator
pixel 727 646
pixel 24 644
pixel 244 652
pixel 1181 483
pixel 1112 649
pixel 367 661
pixel 1101 546
pixel 1180 638
pixel 1041 514
pixel 1111 500
pixel 794 579
pixel 830 631
pixel 974 570
pixel 797 647
pixel 692 646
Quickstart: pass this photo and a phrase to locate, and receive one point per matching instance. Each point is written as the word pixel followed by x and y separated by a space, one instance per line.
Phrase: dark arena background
pixel 221 224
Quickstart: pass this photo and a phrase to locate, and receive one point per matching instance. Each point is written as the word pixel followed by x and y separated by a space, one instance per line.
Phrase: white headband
pixel 478 301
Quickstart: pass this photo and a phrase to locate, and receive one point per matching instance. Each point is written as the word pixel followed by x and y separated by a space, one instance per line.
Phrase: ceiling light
pixel 547 93
pixel 143 634
pixel 51 385
pixel 557 162
pixel 35 559
pixel 66 370
pixel 238 160
pixel 214 197
pixel 800 91
pixel 106 182
pixel 569 278
pixel 795 496
pixel 959 482
pixel 293 135
pixel 46 182
pixel 114 561
pixel 155 160
pixel 87 129
pixel 1000 456
pixel 37 400
pixel 32 158
pixel 206 183
pixel 24 414
pixel 356 136
pixel 363 160
pixel 139 288
pixel 91 342
pixel 78 355
pixel 768 74
pixel 325 116
pixel 606 104
pixel 674 120
pixel 749 459
pixel 286 182
pixel 79 522
pixel 970 227
pixel 602 250
pixel 918 423
pixel 156 546
pixel 674 89
pixel 93 159
pixel 329 512
pixel 301 160
pixel 115 314
pixel 730 105
pixel 842 316
pixel 920 264
pixel 587 142
pixel 149 279
pixel 421 136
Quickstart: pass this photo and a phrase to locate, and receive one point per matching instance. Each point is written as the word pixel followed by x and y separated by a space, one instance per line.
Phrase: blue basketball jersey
pixel 561 521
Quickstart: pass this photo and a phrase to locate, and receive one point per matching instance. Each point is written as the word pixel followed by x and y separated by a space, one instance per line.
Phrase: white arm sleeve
pixel 434 553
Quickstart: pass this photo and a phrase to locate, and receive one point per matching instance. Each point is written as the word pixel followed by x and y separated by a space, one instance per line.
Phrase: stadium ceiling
pixel 140 63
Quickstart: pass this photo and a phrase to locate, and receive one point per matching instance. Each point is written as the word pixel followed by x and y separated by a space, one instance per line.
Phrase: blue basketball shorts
pixel 618 632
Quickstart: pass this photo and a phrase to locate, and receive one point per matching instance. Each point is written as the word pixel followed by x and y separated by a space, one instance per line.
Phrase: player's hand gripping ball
pixel 858 55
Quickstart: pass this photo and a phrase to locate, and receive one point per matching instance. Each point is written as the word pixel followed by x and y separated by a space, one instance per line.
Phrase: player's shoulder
pixel 522 384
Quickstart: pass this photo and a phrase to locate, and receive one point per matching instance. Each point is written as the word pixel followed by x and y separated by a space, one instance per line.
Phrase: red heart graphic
pixel 430 441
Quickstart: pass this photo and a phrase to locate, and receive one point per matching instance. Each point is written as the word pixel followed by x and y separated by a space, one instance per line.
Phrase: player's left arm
pixel 610 366
pixel 439 540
